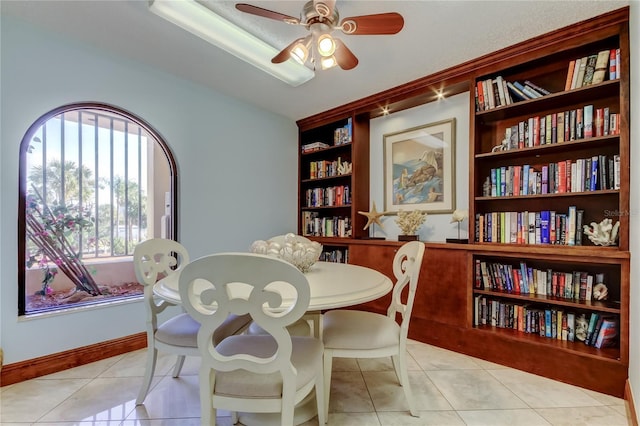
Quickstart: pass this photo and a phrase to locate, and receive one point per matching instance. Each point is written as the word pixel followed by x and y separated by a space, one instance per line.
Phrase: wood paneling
pixel 48 364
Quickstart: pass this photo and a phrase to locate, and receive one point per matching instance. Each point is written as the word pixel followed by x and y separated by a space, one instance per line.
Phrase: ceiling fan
pixel 321 18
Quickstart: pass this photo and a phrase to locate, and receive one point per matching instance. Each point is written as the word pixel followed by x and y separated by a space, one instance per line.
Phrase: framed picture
pixel 419 168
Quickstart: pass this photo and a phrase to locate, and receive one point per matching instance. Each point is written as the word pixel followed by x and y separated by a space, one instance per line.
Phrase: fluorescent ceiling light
pixel 204 23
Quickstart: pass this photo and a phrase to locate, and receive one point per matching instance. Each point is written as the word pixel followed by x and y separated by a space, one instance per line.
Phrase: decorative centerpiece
pixel 295 249
pixel 344 167
pixel 458 216
pixel 603 233
pixel 373 217
pixel 409 222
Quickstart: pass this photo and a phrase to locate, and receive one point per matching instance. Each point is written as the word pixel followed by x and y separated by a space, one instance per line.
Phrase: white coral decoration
pixel 603 233
pixel 344 168
pixel 409 222
pixel 295 249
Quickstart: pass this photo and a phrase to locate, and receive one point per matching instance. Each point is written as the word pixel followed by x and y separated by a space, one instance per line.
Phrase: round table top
pixel 332 285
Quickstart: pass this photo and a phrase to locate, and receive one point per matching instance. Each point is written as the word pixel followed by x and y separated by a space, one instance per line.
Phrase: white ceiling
pixel 436 35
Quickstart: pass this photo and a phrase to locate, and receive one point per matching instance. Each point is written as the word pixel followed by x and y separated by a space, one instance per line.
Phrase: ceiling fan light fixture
pixel 326 45
pixel 300 51
pixel 204 23
pixel 327 62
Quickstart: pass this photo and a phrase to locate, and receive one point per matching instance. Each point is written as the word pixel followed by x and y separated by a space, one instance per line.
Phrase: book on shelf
pixel 571 326
pixel 516 92
pixel 480 96
pixel 314 146
pixel 589 70
pixel 608 334
pixel 576 72
pixel 588 121
pixel 613 74
pixel 602 64
pixel 593 322
pixel 567 84
pixel 616 171
pixel 542 91
pixel 528 91
pixel 593 182
pixel 579 72
pixel 592 69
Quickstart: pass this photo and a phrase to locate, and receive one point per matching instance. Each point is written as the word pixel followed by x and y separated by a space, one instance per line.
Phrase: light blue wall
pixel 437 227
pixel 237 167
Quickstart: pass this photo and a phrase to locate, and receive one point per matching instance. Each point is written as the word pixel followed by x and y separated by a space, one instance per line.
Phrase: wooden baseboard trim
pixel 48 364
pixel 632 414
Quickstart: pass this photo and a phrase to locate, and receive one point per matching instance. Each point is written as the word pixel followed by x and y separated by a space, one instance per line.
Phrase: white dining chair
pixel 154 259
pixel 268 373
pixel 361 334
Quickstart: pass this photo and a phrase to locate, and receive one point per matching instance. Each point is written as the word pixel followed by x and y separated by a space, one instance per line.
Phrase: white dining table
pixel 332 285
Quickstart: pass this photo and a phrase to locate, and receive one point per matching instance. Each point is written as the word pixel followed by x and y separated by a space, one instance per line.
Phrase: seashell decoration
pixel 295 249
pixel 600 291
pixel 459 215
pixel 603 233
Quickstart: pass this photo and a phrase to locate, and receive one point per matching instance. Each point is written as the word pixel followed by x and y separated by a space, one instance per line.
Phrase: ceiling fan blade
pixel 382 23
pixel 285 53
pixel 324 8
pixel 266 13
pixel 344 57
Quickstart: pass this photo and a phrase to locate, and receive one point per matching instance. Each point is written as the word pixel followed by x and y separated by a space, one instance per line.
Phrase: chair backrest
pixel 156 258
pixel 406 268
pixel 216 286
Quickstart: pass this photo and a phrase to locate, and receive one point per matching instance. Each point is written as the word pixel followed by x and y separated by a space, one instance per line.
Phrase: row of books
pixel 565 126
pixel 599 172
pixel 343 135
pixel 524 279
pixel 333 226
pixel 332 196
pixel 600 331
pixel 325 168
pixel 528 227
pixel 593 69
pixel 497 92
pixel 314 146
pixel 336 256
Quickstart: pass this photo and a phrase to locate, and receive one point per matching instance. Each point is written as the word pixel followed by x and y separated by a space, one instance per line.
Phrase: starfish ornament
pixel 373 216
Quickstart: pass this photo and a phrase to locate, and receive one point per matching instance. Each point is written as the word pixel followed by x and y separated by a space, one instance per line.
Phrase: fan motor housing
pixel 313 16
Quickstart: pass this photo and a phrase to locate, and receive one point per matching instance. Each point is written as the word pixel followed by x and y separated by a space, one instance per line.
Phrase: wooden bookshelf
pixel 329 199
pixel 546 64
pixel 443 313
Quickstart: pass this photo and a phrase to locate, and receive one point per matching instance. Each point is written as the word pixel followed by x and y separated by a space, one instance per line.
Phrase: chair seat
pixel 182 330
pixel 298 328
pixel 348 329
pixel 307 353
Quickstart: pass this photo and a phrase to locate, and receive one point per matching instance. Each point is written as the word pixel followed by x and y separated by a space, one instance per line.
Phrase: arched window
pixel 94 181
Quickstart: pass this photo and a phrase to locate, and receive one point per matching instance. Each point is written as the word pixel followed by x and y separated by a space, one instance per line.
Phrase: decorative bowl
pixel 295 249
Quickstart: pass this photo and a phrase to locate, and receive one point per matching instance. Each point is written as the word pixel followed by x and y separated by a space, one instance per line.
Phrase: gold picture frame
pixel 419 168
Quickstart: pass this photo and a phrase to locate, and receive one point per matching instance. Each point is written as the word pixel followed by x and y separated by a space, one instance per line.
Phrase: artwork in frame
pixel 419 168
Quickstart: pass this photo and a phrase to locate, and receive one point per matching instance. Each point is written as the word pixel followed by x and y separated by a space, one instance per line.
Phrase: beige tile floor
pixel 449 388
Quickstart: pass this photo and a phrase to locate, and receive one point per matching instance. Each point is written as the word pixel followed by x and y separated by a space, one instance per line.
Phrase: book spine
pixel 588 121
pixel 567 84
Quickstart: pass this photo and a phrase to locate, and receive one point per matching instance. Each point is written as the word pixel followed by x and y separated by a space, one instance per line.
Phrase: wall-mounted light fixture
pixel 203 22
